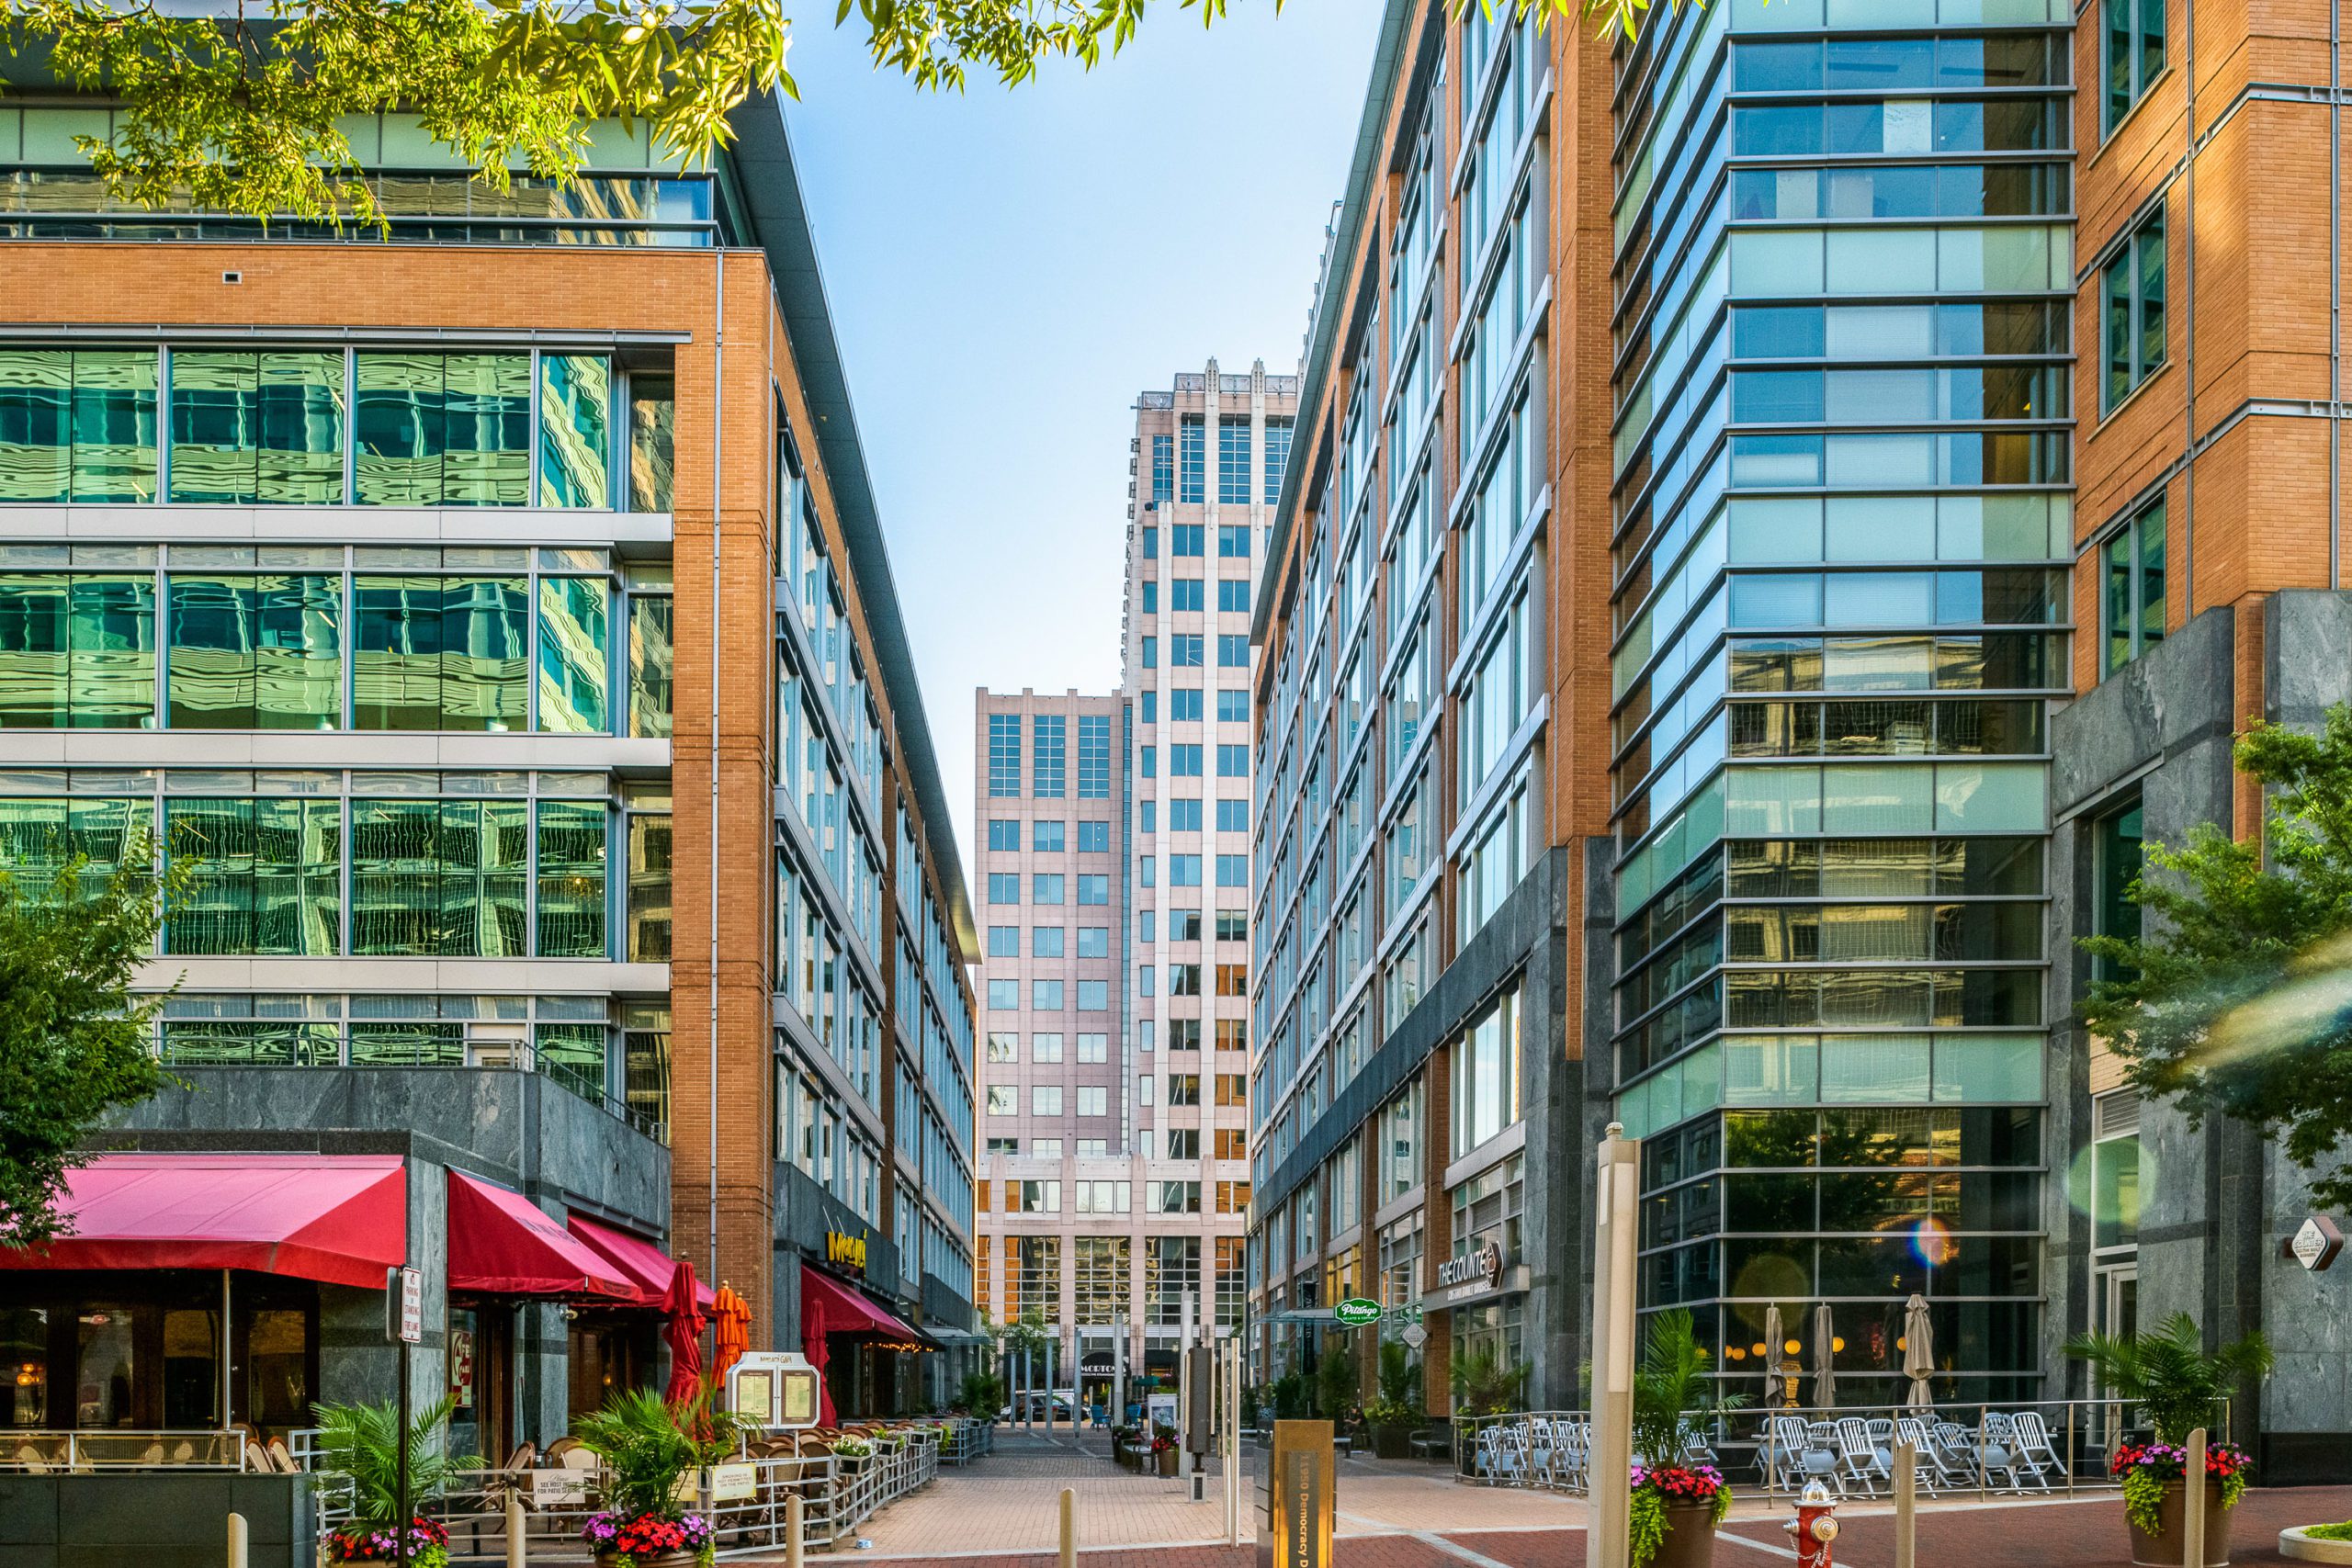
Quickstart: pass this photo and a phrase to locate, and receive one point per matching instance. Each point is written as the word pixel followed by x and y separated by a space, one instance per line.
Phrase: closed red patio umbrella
pixel 684 1334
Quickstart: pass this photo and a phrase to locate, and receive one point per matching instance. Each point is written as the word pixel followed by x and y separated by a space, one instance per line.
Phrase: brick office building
pixel 495 616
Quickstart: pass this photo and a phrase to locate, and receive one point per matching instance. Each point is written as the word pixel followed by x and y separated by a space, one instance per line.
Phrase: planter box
pixel 1393 1442
pixel 1690 1538
pixel 1168 1459
pixel 2163 1549
pixel 2294 1543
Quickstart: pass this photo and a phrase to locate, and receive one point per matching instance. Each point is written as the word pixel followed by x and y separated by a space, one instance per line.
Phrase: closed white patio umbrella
pixel 1918 1353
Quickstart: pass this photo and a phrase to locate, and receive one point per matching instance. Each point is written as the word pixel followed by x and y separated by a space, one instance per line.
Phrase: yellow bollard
pixel 1069 1527
pixel 2192 1504
pixel 517 1548
pixel 795 1546
pixel 238 1537
pixel 1907 1506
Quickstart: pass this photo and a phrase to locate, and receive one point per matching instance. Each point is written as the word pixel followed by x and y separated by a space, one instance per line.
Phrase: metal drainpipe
pixel 2188 293
pixel 717 441
pixel 2335 292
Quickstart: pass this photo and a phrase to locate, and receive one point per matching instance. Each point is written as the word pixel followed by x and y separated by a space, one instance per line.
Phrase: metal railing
pixel 34 1450
pixel 968 1439
pixel 837 1491
pixel 2003 1447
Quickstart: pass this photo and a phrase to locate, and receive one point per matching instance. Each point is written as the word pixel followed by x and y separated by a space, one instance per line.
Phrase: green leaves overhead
pixel 2237 998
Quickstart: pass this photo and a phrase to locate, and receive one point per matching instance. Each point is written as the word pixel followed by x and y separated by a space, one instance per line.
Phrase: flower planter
pixel 1392 1441
pixel 1167 1459
pixel 1689 1538
pixel 2163 1548
pixel 662 1559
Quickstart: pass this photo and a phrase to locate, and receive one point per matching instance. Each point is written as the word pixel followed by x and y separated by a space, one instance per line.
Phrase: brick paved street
pixel 1001 1513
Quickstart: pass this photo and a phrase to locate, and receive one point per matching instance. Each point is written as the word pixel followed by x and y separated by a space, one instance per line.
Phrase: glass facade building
pixel 1841 533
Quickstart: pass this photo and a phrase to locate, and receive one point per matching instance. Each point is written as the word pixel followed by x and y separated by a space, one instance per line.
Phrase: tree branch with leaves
pixel 2236 998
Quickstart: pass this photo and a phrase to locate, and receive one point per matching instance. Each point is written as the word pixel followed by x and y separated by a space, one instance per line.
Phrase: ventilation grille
pixel 2112 1115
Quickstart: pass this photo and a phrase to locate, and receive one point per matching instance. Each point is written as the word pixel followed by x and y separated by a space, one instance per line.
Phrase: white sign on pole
pixel 406 1307
pixel 1415 1335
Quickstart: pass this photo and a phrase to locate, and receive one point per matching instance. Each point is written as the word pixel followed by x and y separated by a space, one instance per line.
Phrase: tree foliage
pixel 362 1442
pixel 2236 998
pixel 74 1040
pixel 244 111
pixel 2168 1373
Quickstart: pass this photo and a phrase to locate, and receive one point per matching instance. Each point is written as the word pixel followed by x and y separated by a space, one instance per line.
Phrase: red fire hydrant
pixel 1814 1527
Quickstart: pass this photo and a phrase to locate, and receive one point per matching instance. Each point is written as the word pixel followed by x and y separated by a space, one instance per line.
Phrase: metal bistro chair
pixel 2035 1452
pixel 1997 1452
pixel 1543 1450
pixel 1793 1456
pixel 1858 1456
pixel 1931 1465
pixel 1576 1451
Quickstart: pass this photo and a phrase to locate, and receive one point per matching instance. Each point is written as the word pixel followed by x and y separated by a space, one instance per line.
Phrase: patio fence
pixel 2013 1448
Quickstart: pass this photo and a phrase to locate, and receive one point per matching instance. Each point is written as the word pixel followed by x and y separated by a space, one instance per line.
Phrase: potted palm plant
pixel 2179 1386
pixel 1678 1503
pixel 649 1447
pixel 361 1444
pixel 1393 1412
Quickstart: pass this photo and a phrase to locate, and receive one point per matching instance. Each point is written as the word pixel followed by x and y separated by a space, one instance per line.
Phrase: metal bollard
pixel 1069 1527
pixel 2192 1504
pixel 239 1535
pixel 1814 1527
pixel 519 1549
pixel 1907 1506
pixel 795 1545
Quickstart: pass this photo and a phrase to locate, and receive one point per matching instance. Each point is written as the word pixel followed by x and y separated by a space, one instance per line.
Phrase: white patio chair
pixel 2036 1455
pixel 1575 1454
pixel 1796 1454
pixel 1935 1465
pixel 1543 1450
pixel 1997 1452
pixel 1858 1456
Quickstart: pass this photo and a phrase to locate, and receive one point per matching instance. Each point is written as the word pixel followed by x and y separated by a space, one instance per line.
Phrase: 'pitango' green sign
pixel 1357 1310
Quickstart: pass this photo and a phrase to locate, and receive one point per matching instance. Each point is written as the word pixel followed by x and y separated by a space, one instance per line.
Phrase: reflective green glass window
pixel 415 1044
pixel 485 859
pixel 571 879
pixel 36 453
pixel 487 418
pixel 650 670
pixel 438 878
pixel 34 614
pixel 442 430
pixel 78 652
pixel 485 643
pixel 114 425
pixel 395 878
pixel 251 428
pixel 648 888
pixel 439 653
pixel 255 652
pixel 242 1042
pixel 40 836
pixel 575 403
pixel 265 876
pixel 573 1055
pixel 576 655
pixel 652 431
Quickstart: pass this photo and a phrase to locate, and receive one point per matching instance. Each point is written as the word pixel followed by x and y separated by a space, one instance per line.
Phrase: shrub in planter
pixel 648 1446
pixel 1675 1513
pixel 1396 1409
pixel 2179 1386
pixel 1163 1448
pixel 361 1443
pixel 1677 1506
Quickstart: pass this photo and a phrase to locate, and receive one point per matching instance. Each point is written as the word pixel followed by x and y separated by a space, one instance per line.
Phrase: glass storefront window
pixel 24 1356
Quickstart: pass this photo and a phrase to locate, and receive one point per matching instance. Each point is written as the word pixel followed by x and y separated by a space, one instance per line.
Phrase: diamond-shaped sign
pixel 2316 1245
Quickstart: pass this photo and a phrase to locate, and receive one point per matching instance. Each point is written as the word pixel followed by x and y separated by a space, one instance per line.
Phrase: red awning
pixel 846 1311
pixel 342 1219
pixel 502 1245
pixel 642 1263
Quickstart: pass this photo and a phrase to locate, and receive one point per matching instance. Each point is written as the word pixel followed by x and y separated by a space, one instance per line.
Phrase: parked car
pixel 1064 1403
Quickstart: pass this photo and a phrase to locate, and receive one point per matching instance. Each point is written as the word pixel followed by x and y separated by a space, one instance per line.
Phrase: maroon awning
pixel 641 1262
pixel 846 1311
pixel 502 1245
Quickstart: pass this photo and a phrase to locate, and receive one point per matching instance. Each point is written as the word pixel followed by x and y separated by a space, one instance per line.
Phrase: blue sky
pixel 1008 268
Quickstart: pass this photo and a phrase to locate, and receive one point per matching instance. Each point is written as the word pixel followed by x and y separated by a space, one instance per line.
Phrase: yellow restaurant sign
pixel 846 1251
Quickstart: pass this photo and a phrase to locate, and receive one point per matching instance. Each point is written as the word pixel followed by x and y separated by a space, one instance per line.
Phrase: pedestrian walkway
pixel 1004 1512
